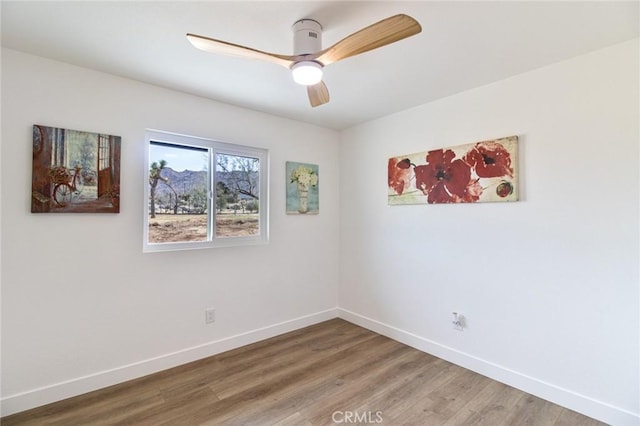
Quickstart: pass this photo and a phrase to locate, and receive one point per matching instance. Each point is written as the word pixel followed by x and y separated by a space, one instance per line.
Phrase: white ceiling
pixel 463 45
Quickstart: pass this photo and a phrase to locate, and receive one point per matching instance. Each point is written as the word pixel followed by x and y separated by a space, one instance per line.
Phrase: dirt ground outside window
pixel 170 228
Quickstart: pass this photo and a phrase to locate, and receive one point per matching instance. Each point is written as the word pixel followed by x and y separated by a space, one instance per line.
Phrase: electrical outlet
pixel 457 321
pixel 209 316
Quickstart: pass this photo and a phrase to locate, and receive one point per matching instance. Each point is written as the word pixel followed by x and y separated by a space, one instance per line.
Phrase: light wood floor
pixel 329 373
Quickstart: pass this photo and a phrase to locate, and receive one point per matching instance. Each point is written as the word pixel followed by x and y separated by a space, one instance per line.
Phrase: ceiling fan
pixel 309 58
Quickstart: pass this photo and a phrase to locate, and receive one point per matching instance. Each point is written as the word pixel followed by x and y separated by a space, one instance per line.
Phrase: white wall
pixel 548 285
pixel 82 306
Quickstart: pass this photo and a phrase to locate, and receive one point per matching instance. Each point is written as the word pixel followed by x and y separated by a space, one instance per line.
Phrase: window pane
pixel 237 195
pixel 178 189
pixel 201 193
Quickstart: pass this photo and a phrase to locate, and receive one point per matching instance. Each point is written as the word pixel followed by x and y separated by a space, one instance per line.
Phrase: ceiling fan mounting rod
pixel 307 37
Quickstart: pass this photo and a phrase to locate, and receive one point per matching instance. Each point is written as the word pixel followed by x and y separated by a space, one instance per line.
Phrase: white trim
pixel 37 397
pixel 564 397
pixel 214 147
pixel 581 403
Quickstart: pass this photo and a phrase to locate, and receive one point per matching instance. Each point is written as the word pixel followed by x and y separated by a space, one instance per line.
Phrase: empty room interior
pixel 319 212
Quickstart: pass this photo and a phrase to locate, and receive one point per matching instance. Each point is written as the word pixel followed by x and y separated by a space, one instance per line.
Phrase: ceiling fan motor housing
pixel 307 37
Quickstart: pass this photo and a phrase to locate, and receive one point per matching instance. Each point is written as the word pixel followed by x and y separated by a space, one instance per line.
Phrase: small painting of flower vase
pixel 302 188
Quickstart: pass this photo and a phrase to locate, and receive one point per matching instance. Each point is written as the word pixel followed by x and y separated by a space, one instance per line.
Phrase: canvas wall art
pixel 302 188
pixel 484 171
pixel 74 171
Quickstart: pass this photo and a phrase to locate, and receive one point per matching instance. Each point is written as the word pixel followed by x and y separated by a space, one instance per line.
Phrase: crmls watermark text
pixel 357 417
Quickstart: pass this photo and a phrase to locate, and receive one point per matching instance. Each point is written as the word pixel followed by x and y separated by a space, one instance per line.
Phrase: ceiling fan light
pixel 307 73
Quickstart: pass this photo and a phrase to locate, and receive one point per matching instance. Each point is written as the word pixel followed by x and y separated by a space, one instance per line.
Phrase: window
pixel 201 193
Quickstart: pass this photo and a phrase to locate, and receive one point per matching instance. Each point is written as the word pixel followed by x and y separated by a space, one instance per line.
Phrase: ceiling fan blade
pixel 318 94
pixel 222 47
pixel 380 34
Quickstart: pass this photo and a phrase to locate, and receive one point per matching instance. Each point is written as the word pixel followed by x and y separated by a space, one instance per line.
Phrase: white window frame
pixel 214 148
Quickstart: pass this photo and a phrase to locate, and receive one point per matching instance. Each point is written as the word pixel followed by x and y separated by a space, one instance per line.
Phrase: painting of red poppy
pixel 472 173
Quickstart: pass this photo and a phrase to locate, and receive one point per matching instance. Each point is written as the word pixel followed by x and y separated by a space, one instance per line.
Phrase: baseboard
pixel 564 397
pixel 574 401
pixel 59 391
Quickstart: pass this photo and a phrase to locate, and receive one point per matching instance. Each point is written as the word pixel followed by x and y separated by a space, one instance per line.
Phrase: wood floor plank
pixel 489 407
pixel 306 383
pixel 571 418
pixel 363 385
pixel 90 408
pixel 319 375
pixel 298 358
pixel 327 380
pixel 296 419
pixel 436 406
pixel 171 411
pixel 531 410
